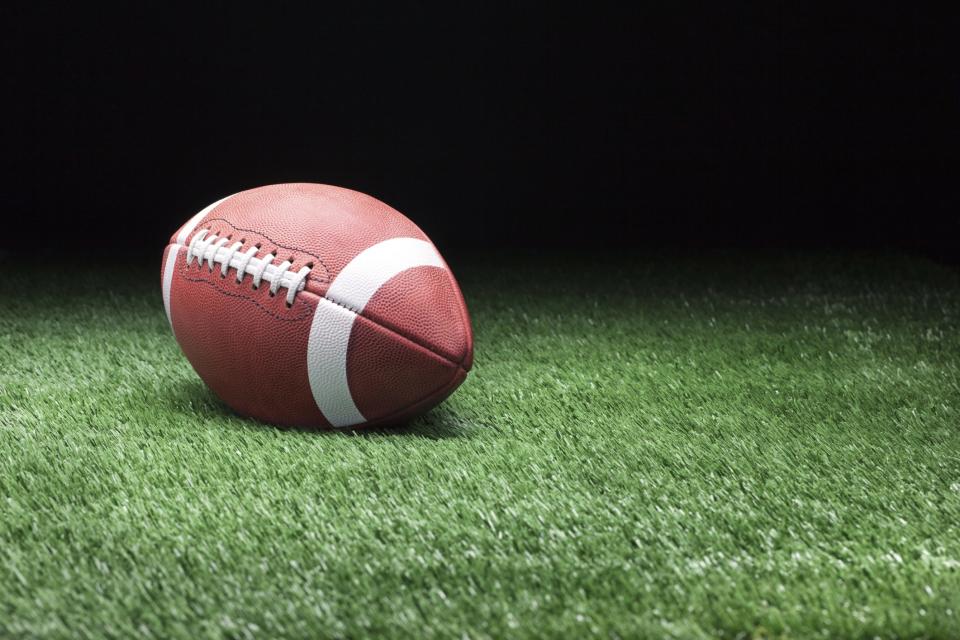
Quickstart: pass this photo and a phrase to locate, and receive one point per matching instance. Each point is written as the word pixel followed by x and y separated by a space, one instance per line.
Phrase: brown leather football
pixel 318 306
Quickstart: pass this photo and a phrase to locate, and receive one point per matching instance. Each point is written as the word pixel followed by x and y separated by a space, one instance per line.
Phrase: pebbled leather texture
pixel 407 349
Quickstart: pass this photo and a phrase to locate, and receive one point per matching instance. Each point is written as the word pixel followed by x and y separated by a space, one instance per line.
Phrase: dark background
pixel 660 125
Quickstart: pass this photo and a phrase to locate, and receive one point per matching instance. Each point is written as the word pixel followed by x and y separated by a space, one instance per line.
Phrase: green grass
pixel 647 447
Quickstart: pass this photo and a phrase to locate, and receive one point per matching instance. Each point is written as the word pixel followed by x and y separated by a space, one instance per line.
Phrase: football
pixel 315 306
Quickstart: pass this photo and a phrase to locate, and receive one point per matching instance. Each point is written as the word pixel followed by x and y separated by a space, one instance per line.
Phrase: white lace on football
pixel 212 249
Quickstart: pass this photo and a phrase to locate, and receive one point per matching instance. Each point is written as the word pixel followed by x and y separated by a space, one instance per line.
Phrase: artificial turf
pixel 648 445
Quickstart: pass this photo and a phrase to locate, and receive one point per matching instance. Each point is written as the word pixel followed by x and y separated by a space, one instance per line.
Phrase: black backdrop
pixel 659 125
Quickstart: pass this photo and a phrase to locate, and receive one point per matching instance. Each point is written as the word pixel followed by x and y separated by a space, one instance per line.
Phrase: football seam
pixel 390 329
pixel 302 317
